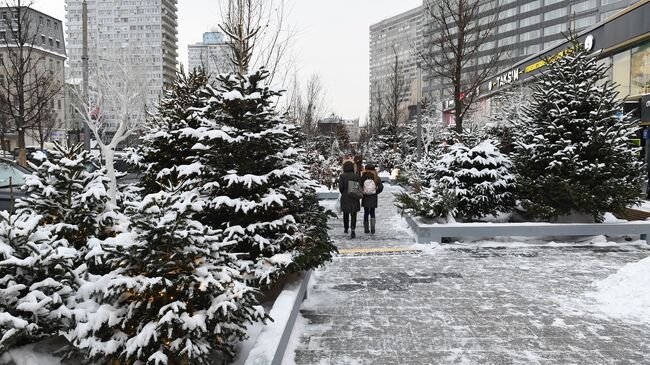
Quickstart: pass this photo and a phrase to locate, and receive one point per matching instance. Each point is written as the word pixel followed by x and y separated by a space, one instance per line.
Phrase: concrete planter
pixel 428 233
pixel 328 195
pixel 272 342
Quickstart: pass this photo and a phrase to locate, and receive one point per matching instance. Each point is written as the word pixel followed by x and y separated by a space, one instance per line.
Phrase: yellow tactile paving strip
pixel 378 250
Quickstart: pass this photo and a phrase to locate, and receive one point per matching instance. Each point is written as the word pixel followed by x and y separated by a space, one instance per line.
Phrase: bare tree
pixel 114 110
pixel 311 106
pixel 451 55
pixel 258 34
pixel 377 117
pixel 43 126
pixel 395 108
pixel 30 84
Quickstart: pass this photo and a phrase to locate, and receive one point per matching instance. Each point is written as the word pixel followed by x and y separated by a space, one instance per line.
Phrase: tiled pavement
pixel 463 306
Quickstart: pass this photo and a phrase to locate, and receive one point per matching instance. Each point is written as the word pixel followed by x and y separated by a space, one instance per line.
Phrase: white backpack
pixel 369 187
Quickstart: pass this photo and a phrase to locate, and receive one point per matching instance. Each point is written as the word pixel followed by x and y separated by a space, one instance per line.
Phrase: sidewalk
pixel 461 305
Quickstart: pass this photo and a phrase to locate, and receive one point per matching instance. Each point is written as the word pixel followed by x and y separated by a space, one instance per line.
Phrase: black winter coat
pixel 348 204
pixel 371 201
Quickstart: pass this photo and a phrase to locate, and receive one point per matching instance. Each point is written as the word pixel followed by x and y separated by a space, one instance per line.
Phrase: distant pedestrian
pixel 372 187
pixel 358 164
pixel 351 193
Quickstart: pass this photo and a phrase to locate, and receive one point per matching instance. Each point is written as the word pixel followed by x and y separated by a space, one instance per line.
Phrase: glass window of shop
pixel 640 70
pixel 621 73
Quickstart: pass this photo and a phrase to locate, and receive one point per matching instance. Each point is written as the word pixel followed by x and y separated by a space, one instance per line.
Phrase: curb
pixel 327 195
pixel 272 342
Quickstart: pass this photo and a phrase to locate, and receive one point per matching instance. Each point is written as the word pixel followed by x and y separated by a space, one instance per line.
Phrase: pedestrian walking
pixel 372 187
pixel 351 194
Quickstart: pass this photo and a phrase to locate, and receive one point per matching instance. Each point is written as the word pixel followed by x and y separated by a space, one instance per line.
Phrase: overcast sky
pixel 331 40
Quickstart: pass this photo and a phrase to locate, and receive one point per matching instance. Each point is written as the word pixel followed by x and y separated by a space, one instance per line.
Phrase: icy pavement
pixel 462 305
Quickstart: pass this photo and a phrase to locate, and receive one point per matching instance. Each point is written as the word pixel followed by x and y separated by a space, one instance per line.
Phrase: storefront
pixel 621 42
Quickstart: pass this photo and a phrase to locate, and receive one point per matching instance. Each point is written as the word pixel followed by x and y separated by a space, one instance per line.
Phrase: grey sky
pixel 331 40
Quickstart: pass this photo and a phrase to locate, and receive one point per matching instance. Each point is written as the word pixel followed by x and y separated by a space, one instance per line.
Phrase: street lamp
pixel 419 113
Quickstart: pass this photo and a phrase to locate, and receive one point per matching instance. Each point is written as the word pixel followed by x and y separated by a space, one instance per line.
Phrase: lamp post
pixel 84 66
pixel 419 113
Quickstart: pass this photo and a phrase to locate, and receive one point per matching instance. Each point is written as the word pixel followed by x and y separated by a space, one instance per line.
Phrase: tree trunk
pixel 22 153
pixel 109 156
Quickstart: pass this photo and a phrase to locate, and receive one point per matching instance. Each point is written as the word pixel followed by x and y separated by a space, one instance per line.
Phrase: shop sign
pixel 588 45
pixel 505 79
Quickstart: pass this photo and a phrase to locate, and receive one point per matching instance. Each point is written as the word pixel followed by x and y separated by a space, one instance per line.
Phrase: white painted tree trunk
pixel 109 157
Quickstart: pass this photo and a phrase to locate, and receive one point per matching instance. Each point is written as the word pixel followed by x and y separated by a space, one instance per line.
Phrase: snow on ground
pixel 625 294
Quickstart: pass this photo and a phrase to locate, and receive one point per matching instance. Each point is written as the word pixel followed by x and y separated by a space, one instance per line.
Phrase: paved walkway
pixel 462 305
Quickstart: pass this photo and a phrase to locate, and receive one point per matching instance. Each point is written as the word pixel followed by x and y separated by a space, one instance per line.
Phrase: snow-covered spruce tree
pixel 163 147
pixel 37 280
pixel 258 193
pixel 68 197
pixel 174 296
pixel 467 183
pixel 572 150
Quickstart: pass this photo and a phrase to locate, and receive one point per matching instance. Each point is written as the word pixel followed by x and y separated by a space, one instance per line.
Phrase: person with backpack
pixel 351 194
pixel 372 187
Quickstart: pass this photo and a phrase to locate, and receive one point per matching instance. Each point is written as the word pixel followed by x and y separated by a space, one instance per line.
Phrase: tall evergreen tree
pixel 258 193
pixel 573 152
pixel 164 147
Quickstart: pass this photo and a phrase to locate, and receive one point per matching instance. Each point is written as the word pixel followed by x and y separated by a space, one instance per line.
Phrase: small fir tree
pixel 174 296
pixel 467 183
pixel 573 150
pixel 37 281
pixel 69 193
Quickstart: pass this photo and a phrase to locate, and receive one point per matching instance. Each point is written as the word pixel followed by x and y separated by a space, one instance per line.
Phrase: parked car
pixel 12 178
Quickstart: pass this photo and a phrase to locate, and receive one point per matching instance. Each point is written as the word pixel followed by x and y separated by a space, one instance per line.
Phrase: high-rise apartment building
pixel 395 40
pixel 524 28
pixel 142 32
pixel 213 55
pixel 44 71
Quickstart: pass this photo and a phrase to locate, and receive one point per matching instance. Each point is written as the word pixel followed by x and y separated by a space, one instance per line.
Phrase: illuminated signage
pixel 505 79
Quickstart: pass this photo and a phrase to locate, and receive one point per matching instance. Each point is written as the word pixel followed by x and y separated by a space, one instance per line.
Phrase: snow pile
pixel 625 295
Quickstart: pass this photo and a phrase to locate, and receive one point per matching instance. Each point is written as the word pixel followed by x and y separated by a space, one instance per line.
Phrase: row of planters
pixel 171 274
pixel 568 153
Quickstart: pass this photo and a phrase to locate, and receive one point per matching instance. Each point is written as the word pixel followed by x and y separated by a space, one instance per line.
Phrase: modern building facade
pixel 46 49
pixel 396 40
pixel 522 28
pixel 141 32
pixel 621 42
pixel 213 55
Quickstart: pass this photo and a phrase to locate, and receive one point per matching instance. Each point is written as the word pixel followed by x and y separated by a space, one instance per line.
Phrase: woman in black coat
pixel 370 201
pixel 349 205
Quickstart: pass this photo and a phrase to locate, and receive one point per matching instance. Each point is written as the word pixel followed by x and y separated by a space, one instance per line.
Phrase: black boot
pixel 373 223
pixel 366 227
pixel 353 235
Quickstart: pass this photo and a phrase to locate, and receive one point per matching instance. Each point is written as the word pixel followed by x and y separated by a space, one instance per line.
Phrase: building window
pixel 533 34
pixel 640 70
pixel 584 22
pixel 584 6
pixel 56 25
pixel 51 42
pixel 530 6
pixel 40 20
pixel 529 21
pixel 49 23
pixel 607 14
pixel 42 39
pixel 507 41
pixel 527 51
pixel 621 73
pixel 58 104
pixel 3 35
pixel 507 27
pixel 557 13
pixel 58 44
pixel 508 13
pixel 555 29
pixel 551 2
pixel 607 2
pixel 4 15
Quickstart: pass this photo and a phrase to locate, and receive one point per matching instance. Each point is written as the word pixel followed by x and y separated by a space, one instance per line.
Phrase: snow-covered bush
pixel 37 280
pixel 466 183
pixel 573 152
pixel 69 194
pixel 174 295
